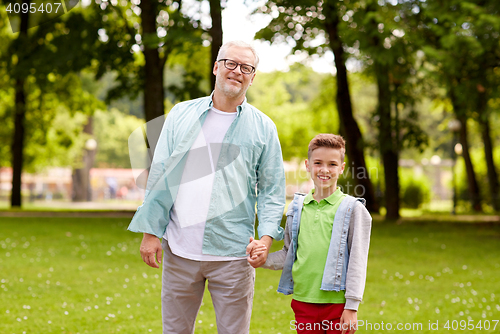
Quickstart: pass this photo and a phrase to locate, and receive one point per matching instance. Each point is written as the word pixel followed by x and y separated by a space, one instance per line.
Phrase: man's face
pixel 234 83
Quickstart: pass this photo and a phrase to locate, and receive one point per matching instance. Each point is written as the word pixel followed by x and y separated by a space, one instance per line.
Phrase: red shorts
pixel 313 318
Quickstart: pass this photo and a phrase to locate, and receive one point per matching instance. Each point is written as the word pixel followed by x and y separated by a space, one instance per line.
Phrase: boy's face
pixel 325 166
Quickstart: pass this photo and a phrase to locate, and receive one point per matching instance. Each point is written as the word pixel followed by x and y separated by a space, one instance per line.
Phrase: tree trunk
pixel 484 123
pixel 355 145
pixel 216 34
pixel 82 191
pixel 387 144
pixel 472 184
pixel 490 164
pixel 18 144
pixel 19 120
pixel 153 73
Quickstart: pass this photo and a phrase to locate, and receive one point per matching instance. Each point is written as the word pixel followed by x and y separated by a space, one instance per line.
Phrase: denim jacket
pixel 249 170
pixel 347 257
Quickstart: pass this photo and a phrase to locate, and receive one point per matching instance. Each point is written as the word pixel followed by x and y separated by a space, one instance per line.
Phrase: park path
pixel 70 209
pixel 69 214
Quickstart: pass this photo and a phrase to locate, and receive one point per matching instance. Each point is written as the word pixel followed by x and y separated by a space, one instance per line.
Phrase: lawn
pixel 85 275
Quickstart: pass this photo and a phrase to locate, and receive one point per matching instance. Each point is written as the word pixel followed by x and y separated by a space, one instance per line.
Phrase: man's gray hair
pixel 223 50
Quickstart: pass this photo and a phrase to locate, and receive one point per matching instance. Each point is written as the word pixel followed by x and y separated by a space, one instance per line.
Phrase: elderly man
pixel 215 159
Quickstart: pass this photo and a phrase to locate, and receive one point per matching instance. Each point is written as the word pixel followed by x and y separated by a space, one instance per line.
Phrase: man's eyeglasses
pixel 231 65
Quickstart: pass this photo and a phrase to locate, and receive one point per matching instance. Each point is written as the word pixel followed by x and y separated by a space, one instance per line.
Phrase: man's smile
pixel 234 80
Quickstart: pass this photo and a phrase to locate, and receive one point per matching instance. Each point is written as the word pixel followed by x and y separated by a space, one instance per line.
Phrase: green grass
pixel 85 275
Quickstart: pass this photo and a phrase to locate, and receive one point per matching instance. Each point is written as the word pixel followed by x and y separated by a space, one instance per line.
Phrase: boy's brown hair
pixel 327 140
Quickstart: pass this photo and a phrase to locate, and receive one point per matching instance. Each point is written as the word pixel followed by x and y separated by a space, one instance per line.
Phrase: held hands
pixel 151 246
pixel 257 251
pixel 349 322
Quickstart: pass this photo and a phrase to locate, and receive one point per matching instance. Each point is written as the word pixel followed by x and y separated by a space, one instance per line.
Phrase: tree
pixel 216 35
pixel 19 116
pixel 485 28
pixel 38 77
pixel 161 31
pixel 301 23
pixel 154 62
pixel 372 43
pixel 464 48
pixel 81 176
pixel 103 38
pixel 289 98
pixel 386 46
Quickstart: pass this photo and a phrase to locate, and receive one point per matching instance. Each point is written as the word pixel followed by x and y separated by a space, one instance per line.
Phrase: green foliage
pixel 372 33
pixel 187 72
pixel 415 189
pixel 431 48
pixel 122 43
pixel 112 129
pixel 463 45
pixel 480 168
pixel 46 59
pixel 6 90
pixel 324 108
pixel 55 121
pixel 413 195
pixel 293 101
pixel 60 145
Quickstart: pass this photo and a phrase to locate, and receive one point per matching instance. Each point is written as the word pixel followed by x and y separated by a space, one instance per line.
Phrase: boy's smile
pixel 325 165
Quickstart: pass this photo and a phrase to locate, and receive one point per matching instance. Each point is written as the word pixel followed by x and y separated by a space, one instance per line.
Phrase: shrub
pixel 414 194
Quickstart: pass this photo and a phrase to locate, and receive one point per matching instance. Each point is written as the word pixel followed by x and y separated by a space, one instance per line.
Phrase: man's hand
pixel 151 246
pixel 349 322
pixel 258 250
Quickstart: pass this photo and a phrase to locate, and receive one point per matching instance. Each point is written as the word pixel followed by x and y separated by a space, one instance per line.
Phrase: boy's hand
pixel 349 322
pixel 257 251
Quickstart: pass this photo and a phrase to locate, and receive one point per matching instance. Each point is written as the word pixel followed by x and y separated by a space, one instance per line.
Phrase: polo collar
pixel 332 199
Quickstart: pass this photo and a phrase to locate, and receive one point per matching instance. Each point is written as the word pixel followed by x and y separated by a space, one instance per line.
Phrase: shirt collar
pixel 242 106
pixel 239 108
pixel 332 199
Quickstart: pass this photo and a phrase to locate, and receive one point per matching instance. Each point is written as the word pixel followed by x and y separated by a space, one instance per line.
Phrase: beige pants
pixel 231 285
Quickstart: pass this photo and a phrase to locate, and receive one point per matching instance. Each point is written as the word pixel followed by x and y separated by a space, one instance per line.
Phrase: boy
pixel 324 261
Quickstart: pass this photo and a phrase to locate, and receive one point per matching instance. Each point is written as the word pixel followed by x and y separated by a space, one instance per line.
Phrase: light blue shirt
pixel 249 171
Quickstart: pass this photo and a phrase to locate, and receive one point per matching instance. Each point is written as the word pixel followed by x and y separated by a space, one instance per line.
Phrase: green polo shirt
pixel 316 224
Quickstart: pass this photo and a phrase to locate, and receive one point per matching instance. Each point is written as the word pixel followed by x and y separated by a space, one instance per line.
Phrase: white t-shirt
pixel 189 212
